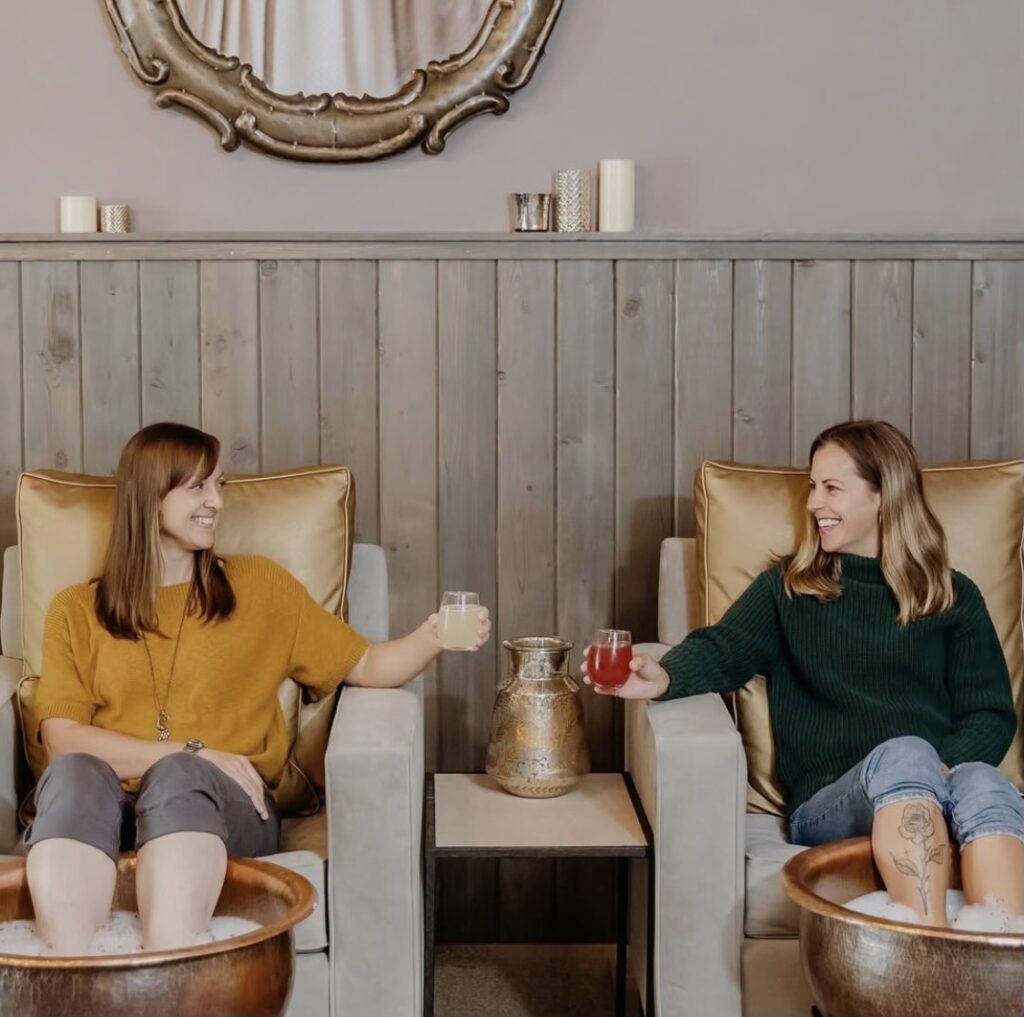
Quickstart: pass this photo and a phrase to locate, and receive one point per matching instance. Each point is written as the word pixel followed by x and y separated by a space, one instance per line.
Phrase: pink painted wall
pixel 745 117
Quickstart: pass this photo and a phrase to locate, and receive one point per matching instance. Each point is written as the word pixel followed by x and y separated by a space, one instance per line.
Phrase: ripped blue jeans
pixel 976 799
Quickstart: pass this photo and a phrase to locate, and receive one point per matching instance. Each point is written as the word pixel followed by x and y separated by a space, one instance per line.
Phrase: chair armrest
pixel 374 768
pixel 687 761
pixel 10 744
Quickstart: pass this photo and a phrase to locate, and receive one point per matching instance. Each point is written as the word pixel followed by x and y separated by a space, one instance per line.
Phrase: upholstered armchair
pixel 725 934
pixel 360 754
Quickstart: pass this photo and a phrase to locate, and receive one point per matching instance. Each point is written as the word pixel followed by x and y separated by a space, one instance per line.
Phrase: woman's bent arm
pixel 128 757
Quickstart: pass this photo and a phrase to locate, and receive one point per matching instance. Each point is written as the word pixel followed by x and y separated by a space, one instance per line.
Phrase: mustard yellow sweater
pixel 227 674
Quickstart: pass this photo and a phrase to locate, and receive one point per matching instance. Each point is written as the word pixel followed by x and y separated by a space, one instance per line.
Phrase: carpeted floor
pixel 527 981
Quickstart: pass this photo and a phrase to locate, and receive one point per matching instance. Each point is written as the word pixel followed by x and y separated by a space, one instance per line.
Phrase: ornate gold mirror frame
pixel 501 59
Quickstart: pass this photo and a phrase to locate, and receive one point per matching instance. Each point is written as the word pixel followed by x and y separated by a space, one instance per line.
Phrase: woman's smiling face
pixel 844 505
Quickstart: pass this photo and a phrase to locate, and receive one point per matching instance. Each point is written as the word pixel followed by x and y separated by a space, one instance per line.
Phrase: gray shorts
pixel 80 797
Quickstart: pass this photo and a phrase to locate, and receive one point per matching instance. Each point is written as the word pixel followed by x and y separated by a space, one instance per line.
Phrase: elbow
pixel 53 734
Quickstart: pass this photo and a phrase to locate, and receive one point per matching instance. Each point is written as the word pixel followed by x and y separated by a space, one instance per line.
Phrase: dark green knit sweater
pixel 845 676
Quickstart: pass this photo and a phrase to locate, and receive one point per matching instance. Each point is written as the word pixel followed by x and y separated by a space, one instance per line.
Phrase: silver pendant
pixel 161 726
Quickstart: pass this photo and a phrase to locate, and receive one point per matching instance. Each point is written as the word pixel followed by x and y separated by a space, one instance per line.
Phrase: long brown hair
pixel 914 559
pixel 156 459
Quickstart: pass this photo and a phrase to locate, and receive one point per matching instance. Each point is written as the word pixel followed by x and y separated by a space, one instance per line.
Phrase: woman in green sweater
pixel 888 691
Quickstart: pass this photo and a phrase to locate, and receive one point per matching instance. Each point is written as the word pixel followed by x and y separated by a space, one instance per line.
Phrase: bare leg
pixel 178 881
pixel 992 869
pixel 911 847
pixel 72 888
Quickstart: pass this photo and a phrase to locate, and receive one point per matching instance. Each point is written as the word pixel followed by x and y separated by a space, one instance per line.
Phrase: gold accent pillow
pixel 747 513
pixel 302 519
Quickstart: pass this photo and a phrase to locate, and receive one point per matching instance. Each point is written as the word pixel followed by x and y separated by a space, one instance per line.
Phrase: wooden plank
pixel 408 454
pixel 821 351
pixel 10 398
pixel 230 369
pixel 762 358
pixel 644 487
pixel 585 562
pixel 348 382
pixel 522 247
pixel 881 346
pixel 703 375
pixel 941 398
pixel 997 389
pixel 585 441
pixel 467 484
pixel 51 366
pixel 110 361
pixel 289 364
pixel 169 298
pixel 526 524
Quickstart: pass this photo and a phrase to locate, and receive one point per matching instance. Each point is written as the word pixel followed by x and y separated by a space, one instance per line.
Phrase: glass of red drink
pixel 608 657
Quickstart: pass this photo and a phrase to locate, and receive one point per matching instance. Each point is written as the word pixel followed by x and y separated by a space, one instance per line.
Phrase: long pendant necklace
pixel 162 720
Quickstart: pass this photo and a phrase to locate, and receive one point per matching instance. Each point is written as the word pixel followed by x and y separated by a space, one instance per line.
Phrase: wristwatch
pixel 193 745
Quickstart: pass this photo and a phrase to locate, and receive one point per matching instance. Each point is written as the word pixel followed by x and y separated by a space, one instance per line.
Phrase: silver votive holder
pixel 114 218
pixel 533 212
pixel 572 201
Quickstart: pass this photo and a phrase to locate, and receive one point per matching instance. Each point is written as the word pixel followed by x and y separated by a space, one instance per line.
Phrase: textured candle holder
pixel 572 201
pixel 114 219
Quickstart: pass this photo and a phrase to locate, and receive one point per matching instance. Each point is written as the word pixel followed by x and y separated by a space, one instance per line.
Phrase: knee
pixel 77 778
pixel 984 803
pixel 178 773
pixel 903 768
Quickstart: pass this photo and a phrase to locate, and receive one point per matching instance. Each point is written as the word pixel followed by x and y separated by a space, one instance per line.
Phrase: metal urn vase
pixel 538 747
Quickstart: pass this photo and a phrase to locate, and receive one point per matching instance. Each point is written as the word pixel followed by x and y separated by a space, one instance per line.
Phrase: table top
pixel 473 814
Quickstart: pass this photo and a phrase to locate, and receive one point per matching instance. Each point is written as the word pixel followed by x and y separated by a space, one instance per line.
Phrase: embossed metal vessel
pixel 250 974
pixel 538 747
pixel 858 964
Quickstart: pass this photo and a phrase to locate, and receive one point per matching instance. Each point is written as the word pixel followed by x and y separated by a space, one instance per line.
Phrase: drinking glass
pixel 459 620
pixel 608 657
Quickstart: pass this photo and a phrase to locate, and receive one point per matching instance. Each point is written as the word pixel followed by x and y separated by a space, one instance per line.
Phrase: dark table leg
pixel 649 1008
pixel 622 933
pixel 429 897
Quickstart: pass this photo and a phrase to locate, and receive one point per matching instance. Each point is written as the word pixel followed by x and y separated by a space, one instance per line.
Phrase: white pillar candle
pixel 77 214
pixel 616 196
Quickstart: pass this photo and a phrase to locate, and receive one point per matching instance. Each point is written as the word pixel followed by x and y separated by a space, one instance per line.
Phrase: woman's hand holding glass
pixel 643 677
pixel 461 624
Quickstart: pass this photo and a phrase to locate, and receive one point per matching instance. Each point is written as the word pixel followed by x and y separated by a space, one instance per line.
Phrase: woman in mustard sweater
pixel 888 691
pixel 158 707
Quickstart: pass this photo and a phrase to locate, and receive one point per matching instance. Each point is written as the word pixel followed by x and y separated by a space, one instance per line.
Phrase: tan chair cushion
pixel 302 519
pixel 767 910
pixel 747 513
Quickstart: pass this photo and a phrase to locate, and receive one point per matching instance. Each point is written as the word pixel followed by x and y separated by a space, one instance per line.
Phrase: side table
pixel 467 815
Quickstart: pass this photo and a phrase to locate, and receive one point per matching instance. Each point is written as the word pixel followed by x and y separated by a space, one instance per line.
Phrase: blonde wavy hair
pixel 914 559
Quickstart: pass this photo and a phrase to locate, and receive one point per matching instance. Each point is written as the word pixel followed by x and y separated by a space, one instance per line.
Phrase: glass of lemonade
pixel 608 657
pixel 459 620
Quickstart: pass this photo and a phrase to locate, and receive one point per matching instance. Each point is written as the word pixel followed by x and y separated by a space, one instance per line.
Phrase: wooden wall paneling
pixel 229 354
pixel 997 386
pixel 409 523
pixel 703 375
pixel 348 382
pixel 880 345
pixel 51 365
pixel 821 351
pixel 110 361
pixel 169 340
pixel 526 524
pixel 289 364
pixel 585 443
pixel 762 361
pixel 467 500
pixel 10 398
pixel 643 438
pixel 585 553
pixel 941 397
